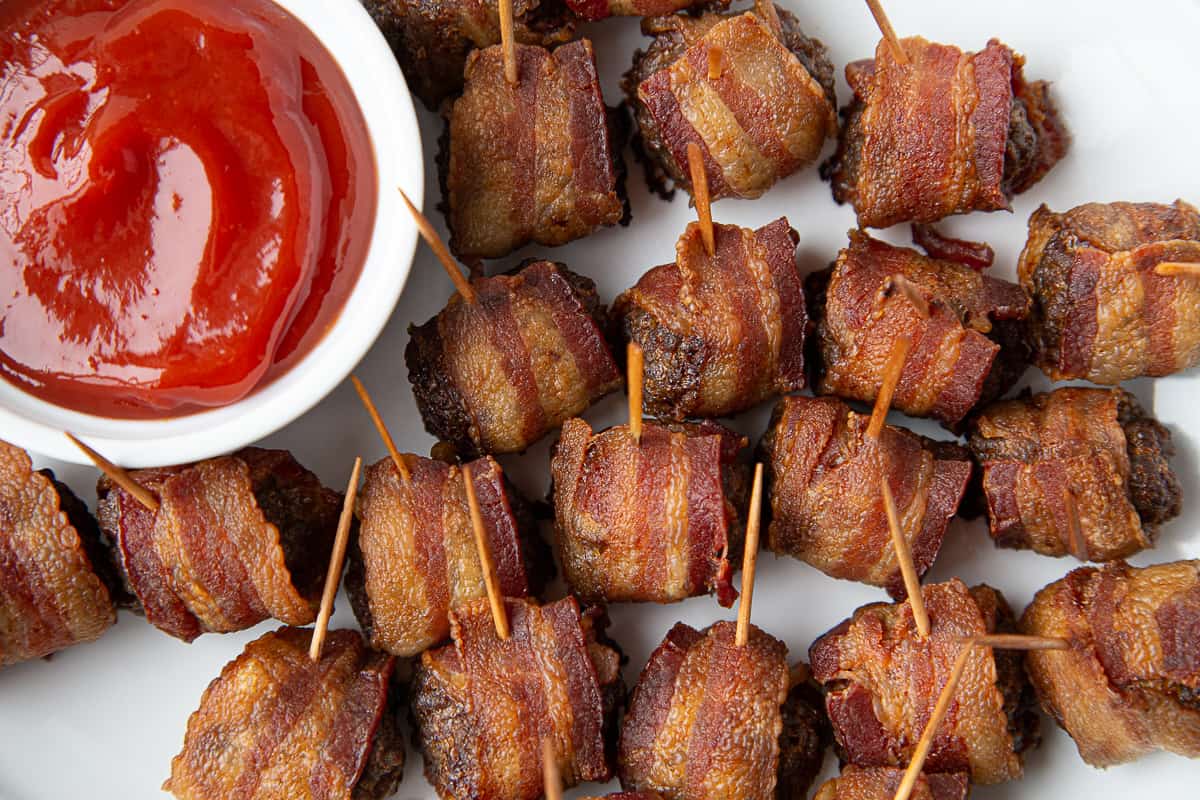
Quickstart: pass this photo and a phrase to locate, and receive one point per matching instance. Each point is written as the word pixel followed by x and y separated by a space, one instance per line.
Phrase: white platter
pixel 103 720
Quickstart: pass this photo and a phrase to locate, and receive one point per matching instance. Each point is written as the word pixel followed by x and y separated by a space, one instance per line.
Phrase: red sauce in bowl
pixel 187 192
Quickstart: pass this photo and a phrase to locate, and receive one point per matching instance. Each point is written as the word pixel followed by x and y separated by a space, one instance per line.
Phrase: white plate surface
pixel 103 720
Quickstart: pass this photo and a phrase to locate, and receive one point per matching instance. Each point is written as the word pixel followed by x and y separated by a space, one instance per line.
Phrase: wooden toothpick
pixel 749 559
pixel 634 377
pixel 911 291
pixel 912 582
pixel 486 565
pixel 889 33
pixel 715 68
pixel 336 559
pixel 439 249
pixel 1076 544
pixel 551 781
pixel 1016 641
pixel 700 196
pixel 117 475
pixel 373 413
pixel 887 386
pixel 935 720
pixel 1178 269
pixel 507 41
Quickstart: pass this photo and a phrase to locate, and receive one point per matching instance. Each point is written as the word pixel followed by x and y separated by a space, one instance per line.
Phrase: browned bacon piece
pixel 236 540
pixel 824 476
pixel 765 115
pixel 699 688
pixel 652 520
pixel 724 332
pixel 1096 445
pixel 1101 312
pixel 275 725
pixel 55 576
pixel 496 375
pixel 882 681
pixel 593 10
pixel 949 133
pixel 1130 683
pixel 969 350
pixel 483 706
pixel 539 161
pixel 881 783
pixel 627 796
pixel 415 556
pixel 432 38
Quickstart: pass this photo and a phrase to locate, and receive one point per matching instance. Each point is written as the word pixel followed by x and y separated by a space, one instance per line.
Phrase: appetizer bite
pixel 748 88
pixel 1080 472
pixel 1115 290
pixel 1130 682
pixel 57 584
pixel 882 783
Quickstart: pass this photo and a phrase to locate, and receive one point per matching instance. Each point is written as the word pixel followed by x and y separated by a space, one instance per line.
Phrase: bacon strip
pixel 278 724
pixel 496 375
pixel 51 596
pixel 1102 312
pixel 236 540
pixel 1129 684
pixel 652 520
pixel 1036 450
pixel 483 706
pixel 882 681
pixel 826 506
pixel 762 119
pixel 961 354
pixel 533 162
pixel 720 333
pixel 416 558
pixel 881 783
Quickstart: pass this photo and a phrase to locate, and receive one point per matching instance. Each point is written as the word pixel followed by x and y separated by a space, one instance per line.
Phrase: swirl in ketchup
pixel 187 191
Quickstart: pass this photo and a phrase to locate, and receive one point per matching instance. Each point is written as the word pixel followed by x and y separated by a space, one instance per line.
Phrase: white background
pixel 103 720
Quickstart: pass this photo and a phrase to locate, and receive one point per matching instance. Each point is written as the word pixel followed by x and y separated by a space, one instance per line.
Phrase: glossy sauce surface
pixel 187 193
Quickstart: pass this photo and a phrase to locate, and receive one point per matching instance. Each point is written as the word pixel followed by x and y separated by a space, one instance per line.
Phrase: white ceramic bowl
pixel 357 46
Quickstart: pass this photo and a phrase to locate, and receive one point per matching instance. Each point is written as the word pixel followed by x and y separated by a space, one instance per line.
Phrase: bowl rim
pixel 351 37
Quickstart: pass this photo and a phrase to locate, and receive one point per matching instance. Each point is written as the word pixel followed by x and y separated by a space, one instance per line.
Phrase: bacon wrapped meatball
pixel 881 783
pixel 432 38
pixel 1130 683
pixel 697 688
pixel 57 584
pixel 882 681
pixel 720 333
pixel 656 519
pixel 1096 445
pixel 824 480
pixel 759 103
pixel 948 133
pixel 496 375
pixel 539 161
pixel 1101 312
pixel 968 350
pixel 483 706
pixel 236 540
pixel 277 725
pixel 415 556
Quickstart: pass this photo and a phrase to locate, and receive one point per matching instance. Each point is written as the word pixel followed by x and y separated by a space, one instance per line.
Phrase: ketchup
pixel 187 191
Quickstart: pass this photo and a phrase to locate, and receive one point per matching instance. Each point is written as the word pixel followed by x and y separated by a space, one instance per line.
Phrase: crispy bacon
pixel 977 255
pixel 53 587
pixel 432 38
pixel 881 783
pixel 592 10
pixel 1101 311
pixel 882 681
pixel 1097 445
pixel 654 520
pixel 236 540
pixel 1130 684
pixel 949 133
pixel 969 350
pixel 483 706
pixel 497 375
pixel 698 687
pixel 278 726
pixel 724 332
pixel 764 117
pixel 415 556
pixel 823 478
pixel 534 162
